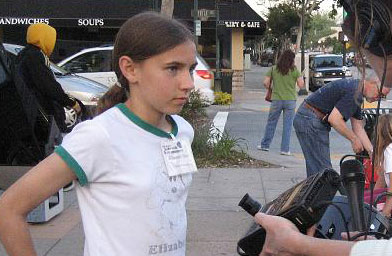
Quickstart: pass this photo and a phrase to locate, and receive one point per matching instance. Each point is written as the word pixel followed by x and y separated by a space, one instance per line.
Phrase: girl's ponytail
pixel 116 94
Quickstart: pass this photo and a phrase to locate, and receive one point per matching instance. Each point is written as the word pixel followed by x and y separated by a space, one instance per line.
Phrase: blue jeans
pixel 277 106
pixel 313 136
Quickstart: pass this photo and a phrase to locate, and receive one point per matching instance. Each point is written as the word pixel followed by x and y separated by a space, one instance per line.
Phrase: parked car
pixel 325 68
pixel 85 90
pixel 96 64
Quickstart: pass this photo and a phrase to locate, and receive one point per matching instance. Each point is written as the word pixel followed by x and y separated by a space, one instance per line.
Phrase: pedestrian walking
pixel 133 162
pixel 283 77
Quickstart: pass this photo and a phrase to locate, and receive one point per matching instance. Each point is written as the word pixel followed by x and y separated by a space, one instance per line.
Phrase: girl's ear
pixel 128 69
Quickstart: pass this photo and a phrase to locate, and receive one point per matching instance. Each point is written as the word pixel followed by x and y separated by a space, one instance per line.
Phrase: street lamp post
pixel 302 36
pixel 217 44
pixel 155 5
pixel 195 19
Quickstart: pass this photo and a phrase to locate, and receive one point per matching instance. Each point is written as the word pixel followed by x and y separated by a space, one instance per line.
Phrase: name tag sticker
pixel 178 157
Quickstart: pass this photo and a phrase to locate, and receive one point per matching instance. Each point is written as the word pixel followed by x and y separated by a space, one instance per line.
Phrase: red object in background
pixel 204 74
pixel 367 164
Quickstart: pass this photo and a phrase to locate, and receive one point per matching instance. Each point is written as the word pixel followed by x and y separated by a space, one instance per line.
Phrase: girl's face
pixel 161 84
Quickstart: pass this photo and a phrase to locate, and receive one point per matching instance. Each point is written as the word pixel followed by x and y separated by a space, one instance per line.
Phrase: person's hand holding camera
pixel 77 107
pixel 282 237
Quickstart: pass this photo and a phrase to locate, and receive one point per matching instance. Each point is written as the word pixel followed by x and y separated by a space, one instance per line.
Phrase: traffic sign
pixel 198 27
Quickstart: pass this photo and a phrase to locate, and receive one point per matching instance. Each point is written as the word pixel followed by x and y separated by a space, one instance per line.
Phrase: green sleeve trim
pixel 71 162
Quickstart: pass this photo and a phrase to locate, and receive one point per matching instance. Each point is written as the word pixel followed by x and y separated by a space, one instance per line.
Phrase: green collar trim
pixel 71 162
pixel 146 126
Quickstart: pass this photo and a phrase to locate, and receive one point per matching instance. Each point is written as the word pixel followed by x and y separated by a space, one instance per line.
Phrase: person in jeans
pixel 283 77
pixel 331 106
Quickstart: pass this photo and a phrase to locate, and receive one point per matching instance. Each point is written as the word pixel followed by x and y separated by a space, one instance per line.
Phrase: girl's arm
pixel 386 211
pixel 29 191
pixel 267 82
pixel 380 183
pixel 300 82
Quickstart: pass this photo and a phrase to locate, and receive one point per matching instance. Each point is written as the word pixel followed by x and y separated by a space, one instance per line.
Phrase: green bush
pixel 223 98
pixel 211 147
pixel 194 110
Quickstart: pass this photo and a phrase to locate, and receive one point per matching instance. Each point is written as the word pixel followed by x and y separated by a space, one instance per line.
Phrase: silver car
pixel 96 64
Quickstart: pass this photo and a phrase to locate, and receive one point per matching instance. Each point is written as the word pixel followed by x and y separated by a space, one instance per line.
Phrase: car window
pixel 322 62
pixel 97 61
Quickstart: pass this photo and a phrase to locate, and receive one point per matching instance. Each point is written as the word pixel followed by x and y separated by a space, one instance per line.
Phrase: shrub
pixel 223 98
pixel 210 147
pixel 194 110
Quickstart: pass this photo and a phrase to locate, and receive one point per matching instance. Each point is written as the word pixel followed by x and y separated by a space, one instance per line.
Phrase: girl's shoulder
pixel 389 147
pixel 181 122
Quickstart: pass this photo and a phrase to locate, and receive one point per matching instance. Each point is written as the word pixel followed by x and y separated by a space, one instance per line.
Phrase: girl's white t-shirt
pixel 387 163
pixel 129 204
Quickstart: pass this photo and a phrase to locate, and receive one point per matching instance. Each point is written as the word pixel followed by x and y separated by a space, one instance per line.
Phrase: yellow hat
pixel 43 36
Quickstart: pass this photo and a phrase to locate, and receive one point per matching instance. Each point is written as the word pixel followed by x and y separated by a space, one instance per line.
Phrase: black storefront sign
pixel 63 22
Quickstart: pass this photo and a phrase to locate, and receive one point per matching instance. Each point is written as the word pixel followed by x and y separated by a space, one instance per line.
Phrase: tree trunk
pixel 299 36
pixel 167 8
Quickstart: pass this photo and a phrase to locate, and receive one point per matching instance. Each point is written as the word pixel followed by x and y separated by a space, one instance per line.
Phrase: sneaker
pixel 263 149
pixel 69 186
pixel 286 153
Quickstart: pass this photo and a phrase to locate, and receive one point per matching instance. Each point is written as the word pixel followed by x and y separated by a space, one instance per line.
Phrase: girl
pixel 133 162
pixel 383 159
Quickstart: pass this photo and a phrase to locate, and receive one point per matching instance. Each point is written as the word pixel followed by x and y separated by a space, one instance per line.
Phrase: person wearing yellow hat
pixel 35 68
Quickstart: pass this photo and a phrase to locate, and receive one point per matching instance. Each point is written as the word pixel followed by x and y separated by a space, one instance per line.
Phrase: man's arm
pixel 283 238
pixel 357 126
pixel 336 120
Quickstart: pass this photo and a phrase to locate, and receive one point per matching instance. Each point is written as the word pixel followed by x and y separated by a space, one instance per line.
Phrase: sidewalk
pixel 215 222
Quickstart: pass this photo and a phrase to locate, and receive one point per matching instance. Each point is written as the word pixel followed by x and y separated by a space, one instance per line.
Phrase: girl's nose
pixel 188 82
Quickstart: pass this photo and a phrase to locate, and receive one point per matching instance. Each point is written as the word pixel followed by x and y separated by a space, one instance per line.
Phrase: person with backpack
pixel 34 67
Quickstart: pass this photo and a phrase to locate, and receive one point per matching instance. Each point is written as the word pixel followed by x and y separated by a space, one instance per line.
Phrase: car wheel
pixel 71 118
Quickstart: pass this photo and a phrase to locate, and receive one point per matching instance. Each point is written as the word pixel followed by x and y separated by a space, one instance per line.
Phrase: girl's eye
pixel 191 70
pixel 173 69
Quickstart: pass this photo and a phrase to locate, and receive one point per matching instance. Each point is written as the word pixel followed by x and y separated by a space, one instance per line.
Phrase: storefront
pixel 89 23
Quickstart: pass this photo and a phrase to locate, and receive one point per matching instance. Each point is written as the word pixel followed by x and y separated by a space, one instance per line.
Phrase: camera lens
pixel 250 205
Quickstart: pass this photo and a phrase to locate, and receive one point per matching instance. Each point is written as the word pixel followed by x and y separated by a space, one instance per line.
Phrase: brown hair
pixel 286 62
pixel 141 37
pixel 383 137
pixel 352 26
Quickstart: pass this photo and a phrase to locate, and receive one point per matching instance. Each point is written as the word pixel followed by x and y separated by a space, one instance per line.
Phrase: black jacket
pixel 41 80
